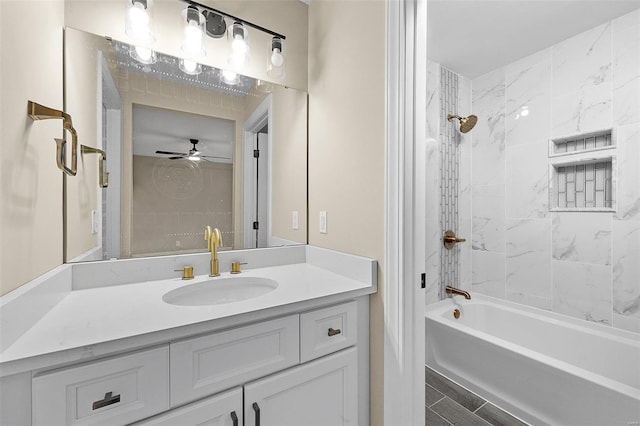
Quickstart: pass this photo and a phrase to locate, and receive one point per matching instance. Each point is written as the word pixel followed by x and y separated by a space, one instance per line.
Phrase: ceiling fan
pixel 193 154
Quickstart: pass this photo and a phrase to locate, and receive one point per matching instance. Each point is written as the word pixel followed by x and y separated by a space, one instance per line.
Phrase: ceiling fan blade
pixel 170 153
pixel 212 156
pixel 176 158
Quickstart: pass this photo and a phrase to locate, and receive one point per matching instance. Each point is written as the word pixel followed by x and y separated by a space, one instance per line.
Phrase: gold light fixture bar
pixel 41 112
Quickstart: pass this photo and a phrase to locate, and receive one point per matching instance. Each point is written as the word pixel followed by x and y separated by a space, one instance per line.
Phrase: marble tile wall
pixel 584 264
pixel 447 267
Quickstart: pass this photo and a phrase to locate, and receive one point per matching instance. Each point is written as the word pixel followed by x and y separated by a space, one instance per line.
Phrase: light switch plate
pixel 323 222
pixel 294 220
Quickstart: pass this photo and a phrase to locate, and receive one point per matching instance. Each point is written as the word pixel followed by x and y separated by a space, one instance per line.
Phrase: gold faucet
pixel 453 290
pixel 214 240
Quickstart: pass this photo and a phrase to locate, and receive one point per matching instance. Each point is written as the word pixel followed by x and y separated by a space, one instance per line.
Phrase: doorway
pixel 256 225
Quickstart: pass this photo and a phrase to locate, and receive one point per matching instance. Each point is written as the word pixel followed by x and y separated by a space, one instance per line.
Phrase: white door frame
pixel 404 336
pixel 111 100
pixel 257 120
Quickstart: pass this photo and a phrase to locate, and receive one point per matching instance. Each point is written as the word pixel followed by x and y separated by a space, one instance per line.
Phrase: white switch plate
pixel 294 220
pixel 323 222
pixel 95 222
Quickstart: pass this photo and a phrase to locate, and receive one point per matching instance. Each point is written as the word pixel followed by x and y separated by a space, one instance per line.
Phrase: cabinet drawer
pixel 115 391
pixel 327 330
pixel 205 365
pixel 224 409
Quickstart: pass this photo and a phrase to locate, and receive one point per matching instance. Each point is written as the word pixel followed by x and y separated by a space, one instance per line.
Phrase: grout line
pixel 476 410
pixel 443 397
pixel 443 419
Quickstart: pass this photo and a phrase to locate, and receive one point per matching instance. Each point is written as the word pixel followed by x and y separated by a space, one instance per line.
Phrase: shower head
pixel 466 123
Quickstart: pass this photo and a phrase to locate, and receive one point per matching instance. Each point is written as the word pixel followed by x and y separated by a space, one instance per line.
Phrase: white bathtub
pixel 544 368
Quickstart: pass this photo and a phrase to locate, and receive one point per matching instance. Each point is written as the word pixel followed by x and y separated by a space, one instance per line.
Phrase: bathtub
pixel 545 368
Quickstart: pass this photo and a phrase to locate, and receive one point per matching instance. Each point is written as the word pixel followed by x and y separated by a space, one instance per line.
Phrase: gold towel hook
pixel 41 112
pixel 102 164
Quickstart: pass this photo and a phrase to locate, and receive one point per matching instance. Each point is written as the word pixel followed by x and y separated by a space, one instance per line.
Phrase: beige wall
pixel 171 218
pixel 288 163
pixel 347 143
pixel 288 17
pixel 30 182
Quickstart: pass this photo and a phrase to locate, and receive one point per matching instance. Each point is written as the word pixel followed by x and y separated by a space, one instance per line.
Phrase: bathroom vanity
pixel 104 346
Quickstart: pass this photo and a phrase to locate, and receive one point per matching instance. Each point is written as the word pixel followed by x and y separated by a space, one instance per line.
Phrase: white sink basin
pixel 220 290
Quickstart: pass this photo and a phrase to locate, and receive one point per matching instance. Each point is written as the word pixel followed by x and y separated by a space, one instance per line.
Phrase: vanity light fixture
pixel 193 40
pixel 142 54
pixel 238 37
pixel 139 28
pixel 263 86
pixel 229 77
pixel 239 40
pixel 190 67
pixel 276 62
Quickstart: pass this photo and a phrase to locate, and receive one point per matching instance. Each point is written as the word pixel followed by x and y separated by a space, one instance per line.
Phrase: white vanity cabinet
pixel 323 392
pixel 298 369
pixel 224 409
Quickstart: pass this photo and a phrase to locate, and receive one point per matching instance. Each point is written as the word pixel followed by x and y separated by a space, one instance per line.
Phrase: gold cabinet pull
pixel 41 112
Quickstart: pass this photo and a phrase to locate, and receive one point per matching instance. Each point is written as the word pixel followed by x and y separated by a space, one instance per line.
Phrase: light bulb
pixel 276 58
pixel 144 53
pixel 238 45
pixel 189 66
pixel 139 22
pixel 138 15
pixel 229 77
pixel 193 36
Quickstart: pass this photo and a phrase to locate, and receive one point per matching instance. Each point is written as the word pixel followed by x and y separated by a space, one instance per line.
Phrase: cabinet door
pixel 224 409
pixel 209 364
pixel 323 393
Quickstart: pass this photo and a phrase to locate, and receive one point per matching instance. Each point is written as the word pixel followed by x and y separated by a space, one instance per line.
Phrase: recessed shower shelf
pixel 583 173
pixel 588 142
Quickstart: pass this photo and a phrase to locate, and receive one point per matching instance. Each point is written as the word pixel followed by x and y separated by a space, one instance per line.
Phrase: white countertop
pixel 104 320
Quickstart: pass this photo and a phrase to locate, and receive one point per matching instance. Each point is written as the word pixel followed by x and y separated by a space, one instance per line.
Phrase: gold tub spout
pixel 453 290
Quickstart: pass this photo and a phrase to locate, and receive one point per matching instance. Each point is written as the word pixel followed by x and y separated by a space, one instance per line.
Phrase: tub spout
pixel 453 290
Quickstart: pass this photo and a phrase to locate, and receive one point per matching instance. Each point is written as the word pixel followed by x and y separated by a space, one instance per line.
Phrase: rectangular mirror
pixel 182 152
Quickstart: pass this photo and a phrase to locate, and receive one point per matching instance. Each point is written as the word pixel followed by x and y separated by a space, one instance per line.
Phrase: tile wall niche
pixel 583 264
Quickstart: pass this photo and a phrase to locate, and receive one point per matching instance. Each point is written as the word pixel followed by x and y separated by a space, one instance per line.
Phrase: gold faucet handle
pixel 235 267
pixel 187 272
pixel 449 240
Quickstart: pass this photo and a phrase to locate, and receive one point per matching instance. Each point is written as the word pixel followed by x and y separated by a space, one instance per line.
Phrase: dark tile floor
pixel 449 404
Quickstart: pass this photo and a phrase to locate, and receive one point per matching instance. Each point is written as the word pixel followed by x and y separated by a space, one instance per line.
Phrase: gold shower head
pixel 466 123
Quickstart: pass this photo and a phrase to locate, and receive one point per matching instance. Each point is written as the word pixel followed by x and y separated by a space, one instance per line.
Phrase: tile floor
pixel 449 404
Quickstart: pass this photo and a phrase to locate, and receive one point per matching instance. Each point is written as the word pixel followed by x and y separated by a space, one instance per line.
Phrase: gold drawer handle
pixel 109 399
pixel 333 332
